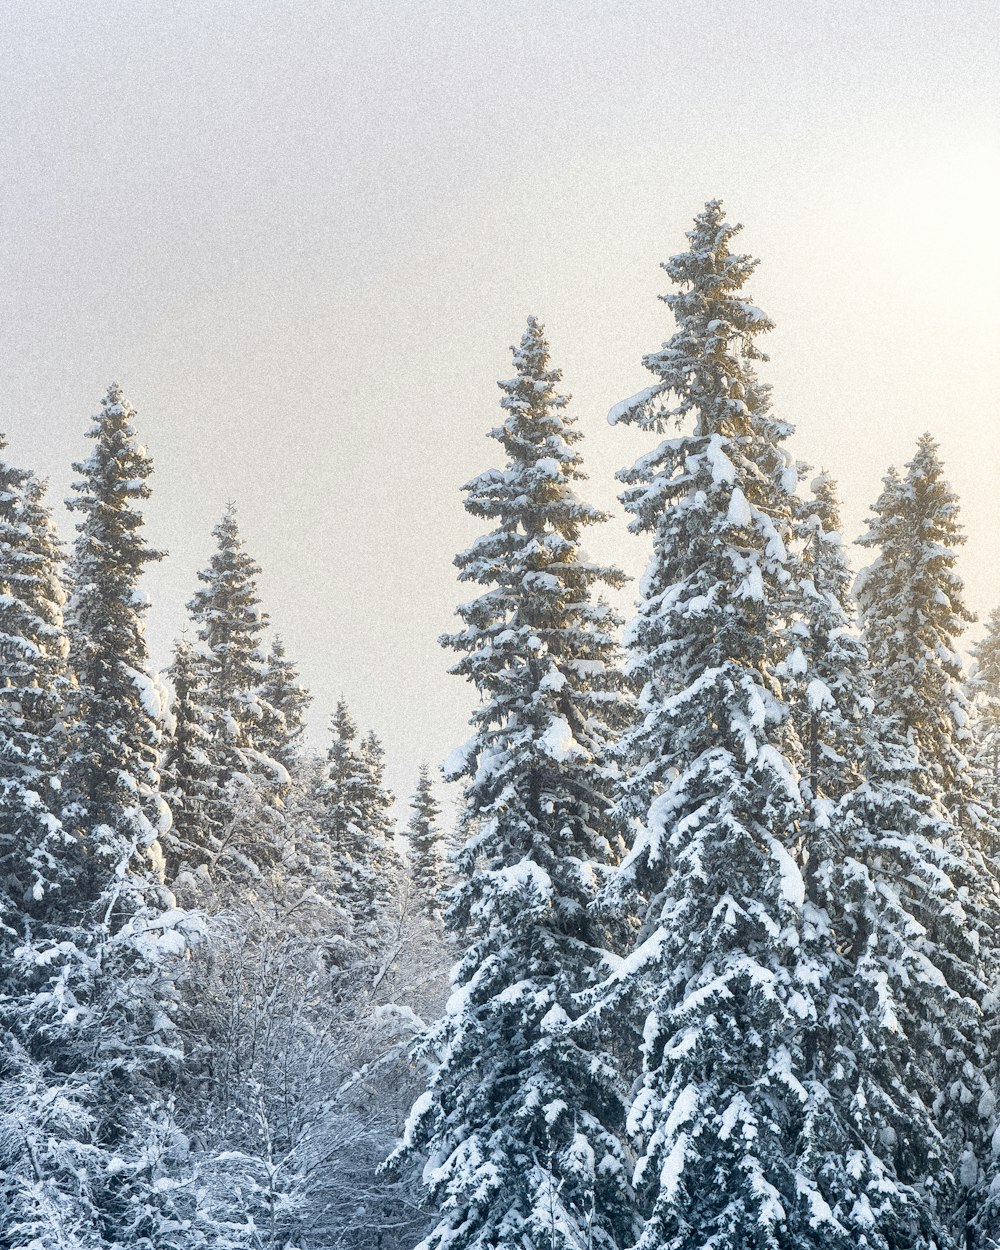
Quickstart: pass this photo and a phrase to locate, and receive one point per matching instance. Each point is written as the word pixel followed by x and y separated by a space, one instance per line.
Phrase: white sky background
pixel 303 236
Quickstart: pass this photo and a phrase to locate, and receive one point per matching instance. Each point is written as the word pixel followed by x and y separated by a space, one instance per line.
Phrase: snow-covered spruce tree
pixel 351 812
pixel 97 1034
pixel 33 687
pixel 376 803
pixel 984 692
pixel 889 970
pixel 717 969
pixel 827 658
pixel 41 1199
pixel 523 1115
pixel 247 781
pixel 188 781
pixel 285 701
pixel 425 845
pixel 230 623
pixel 913 611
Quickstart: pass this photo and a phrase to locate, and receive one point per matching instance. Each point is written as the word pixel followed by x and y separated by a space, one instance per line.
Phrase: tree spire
pixel 523 1115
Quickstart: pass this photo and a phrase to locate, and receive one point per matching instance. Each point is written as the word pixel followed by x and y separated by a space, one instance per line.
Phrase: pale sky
pixel 303 236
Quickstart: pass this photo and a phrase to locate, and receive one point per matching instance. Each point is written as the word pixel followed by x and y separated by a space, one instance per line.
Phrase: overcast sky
pixel 303 236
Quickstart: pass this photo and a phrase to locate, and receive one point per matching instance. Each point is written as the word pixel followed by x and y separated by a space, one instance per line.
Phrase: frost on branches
pixel 425 846
pixel 890 970
pixel 717 969
pixel 232 844
pixel 352 809
pixel 984 692
pixel 522 1119
pixel 86 1139
pixel 913 610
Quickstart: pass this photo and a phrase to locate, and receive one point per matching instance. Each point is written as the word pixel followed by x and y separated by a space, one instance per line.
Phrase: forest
pixel 707 959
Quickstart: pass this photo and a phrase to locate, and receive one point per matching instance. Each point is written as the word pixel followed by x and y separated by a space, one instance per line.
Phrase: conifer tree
pixel 43 1196
pixel 33 687
pixel 115 801
pixel 425 845
pixel 95 1026
pixel 823 674
pixel 890 970
pixel 376 802
pixel 247 782
pixel 984 691
pixel 230 622
pixel 352 809
pixel 912 604
pixel 187 771
pixel 716 972
pixel 913 611
pixel 285 701
pixel 523 1115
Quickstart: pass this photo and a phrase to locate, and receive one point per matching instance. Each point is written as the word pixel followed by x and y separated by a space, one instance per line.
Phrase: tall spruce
pixel 188 778
pixel 823 672
pixel 42 1199
pixel 230 623
pixel 247 782
pixel 716 972
pixel 523 1115
pixel 115 806
pixel 890 970
pixel 33 688
pixel 984 692
pixel 425 845
pixel 352 814
pixel 94 1153
pixel 285 702
pixel 912 604
pixel 913 611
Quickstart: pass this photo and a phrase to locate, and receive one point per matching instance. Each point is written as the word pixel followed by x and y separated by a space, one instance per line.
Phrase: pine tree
pixel 913 611
pixel 522 1117
pixel 33 687
pixel 425 844
pixel 716 972
pixel 115 802
pixel 823 674
pixel 285 701
pixel 95 1030
pixel 230 623
pixel 352 808
pixel 377 802
pixel 247 782
pixel 187 769
pixel 40 1160
pixel 984 691
pixel 889 969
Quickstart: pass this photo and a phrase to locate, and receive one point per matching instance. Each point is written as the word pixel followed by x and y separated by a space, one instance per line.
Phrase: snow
pixel 673 1167
pixel 553 680
pixel 683 1110
pixel 739 510
pixel 458 761
pixel 634 402
pixel 558 742
pixel 523 875
pixel 150 692
pixel 723 469
pixel 819 696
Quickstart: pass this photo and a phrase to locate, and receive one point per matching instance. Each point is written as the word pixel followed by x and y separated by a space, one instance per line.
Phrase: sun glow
pixel 941 232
